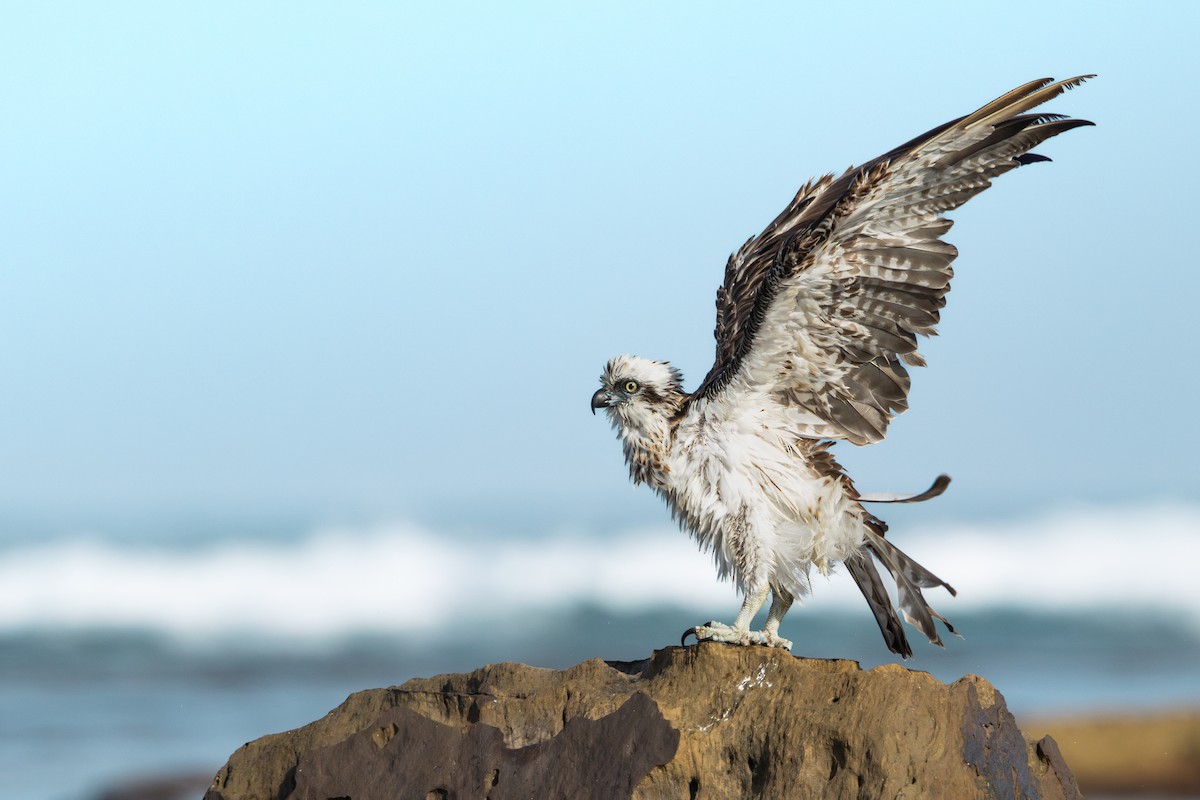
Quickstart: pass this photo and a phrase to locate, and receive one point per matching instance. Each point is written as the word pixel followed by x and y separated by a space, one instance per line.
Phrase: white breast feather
pixel 739 486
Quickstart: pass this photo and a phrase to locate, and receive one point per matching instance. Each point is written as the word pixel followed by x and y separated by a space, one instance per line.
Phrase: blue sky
pixel 368 261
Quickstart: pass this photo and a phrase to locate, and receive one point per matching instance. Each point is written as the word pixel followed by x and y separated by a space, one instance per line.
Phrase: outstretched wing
pixel 822 309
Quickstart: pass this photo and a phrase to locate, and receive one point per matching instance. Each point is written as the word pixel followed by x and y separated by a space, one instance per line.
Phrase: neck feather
pixel 645 438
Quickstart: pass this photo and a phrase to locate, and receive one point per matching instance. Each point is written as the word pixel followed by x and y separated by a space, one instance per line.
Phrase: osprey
pixel 817 322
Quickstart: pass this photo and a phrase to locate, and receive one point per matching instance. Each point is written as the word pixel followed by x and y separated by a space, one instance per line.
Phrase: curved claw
pixel 689 632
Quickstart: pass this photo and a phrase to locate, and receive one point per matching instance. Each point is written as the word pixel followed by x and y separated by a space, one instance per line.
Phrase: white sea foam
pixel 400 579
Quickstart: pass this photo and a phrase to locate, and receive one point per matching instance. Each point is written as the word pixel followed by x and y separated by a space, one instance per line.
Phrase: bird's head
pixel 637 392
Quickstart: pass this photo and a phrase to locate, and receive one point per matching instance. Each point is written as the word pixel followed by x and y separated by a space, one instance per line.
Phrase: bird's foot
pixel 775 640
pixel 720 632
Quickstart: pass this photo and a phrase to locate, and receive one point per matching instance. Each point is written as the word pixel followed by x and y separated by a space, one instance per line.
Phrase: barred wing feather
pixel 822 309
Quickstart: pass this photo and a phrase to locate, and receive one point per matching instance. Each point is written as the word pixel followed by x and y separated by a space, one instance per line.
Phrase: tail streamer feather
pixel 862 569
pixel 910 578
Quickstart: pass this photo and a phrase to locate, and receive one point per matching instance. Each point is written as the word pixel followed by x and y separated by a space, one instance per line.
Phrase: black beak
pixel 601 399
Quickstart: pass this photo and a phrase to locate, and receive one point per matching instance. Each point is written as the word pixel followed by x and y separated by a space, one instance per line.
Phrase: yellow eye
pixel 630 386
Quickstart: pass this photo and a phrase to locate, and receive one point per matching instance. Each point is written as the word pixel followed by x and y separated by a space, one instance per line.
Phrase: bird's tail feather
pixel 862 569
pixel 910 578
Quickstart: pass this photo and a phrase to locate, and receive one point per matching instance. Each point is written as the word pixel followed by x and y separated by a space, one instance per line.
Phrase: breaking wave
pixel 402 579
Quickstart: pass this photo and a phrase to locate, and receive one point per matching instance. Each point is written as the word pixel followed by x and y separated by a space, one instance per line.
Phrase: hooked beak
pixel 601 399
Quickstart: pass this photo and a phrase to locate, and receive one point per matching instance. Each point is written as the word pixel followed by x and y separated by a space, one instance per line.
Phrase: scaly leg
pixel 781 601
pixel 739 632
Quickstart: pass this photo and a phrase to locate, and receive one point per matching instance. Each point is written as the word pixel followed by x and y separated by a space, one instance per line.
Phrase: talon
pixel 689 632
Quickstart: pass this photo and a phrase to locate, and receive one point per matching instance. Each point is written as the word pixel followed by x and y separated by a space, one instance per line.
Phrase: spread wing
pixel 822 309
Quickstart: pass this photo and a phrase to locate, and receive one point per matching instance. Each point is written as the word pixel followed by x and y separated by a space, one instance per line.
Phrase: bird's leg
pixel 739 632
pixel 781 601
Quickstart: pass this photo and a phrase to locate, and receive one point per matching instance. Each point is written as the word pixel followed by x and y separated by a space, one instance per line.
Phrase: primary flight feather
pixel 817 322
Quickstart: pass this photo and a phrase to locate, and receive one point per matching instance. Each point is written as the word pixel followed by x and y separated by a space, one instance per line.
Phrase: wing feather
pixel 822 310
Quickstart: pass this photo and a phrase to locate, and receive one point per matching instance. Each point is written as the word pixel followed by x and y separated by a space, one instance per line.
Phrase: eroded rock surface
pixel 708 721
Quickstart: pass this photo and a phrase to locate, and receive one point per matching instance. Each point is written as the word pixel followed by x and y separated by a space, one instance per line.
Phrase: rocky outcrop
pixel 709 721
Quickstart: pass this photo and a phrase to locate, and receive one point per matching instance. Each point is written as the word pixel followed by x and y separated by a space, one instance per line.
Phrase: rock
pixel 709 721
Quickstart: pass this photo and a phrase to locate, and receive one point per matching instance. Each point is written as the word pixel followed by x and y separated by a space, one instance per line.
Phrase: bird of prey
pixel 817 323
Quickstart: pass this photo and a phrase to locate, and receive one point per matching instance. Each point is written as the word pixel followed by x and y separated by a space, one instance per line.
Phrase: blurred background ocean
pixel 300 308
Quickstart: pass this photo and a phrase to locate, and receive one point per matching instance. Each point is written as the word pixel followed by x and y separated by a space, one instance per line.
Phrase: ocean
pixel 131 656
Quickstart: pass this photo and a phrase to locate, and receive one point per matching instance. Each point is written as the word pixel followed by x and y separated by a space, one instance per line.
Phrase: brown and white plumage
pixel 817 322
